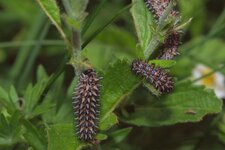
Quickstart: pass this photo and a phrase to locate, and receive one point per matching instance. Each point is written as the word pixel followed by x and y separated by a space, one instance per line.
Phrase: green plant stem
pixel 32 56
pixel 76 36
pixel 31 43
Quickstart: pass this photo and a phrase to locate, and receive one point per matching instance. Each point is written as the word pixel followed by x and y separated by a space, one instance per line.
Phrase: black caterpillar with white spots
pixel 170 46
pixel 158 77
pixel 86 105
pixel 157 7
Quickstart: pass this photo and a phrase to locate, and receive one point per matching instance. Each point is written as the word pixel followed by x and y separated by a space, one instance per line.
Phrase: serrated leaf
pixel 187 103
pixel 142 21
pixel 62 136
pixel 118 83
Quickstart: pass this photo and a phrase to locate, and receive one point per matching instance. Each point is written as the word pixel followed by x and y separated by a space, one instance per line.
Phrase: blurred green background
pixel 31 50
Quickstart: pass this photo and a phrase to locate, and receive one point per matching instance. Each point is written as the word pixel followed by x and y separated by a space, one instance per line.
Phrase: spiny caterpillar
pixel 157 7
pixel 170 46
pixel 86 105
pixel 158 77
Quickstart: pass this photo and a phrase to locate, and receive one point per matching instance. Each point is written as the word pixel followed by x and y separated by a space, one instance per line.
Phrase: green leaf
pixel 10 129
pixel 108 122
pixel 118 83
pixel 52 11
pixel 119 37
pixel 163 63
pixel 72 86
pixel 32 95
pixel 142 21
pixel 75 12
pixel 34 136
pixel 63 114
pixel 101 55
pixel 62 136
pixel 78 9
pixel 76 25
pixel 4 98
pixel 9 100
pixel 3 94
pixel 13 95
pixel 187 103
pixel 101 136
pixel 121 134
pixel 41 73
pixel 44 107
pixel 151 88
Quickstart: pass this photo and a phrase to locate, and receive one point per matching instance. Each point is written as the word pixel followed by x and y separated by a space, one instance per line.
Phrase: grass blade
pixel 92 17
pixel 99 30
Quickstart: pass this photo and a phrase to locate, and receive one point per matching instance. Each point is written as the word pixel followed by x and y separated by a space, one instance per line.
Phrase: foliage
pixel 43 52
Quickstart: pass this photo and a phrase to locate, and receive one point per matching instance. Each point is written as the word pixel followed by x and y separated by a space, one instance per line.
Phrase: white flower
pixel 215 81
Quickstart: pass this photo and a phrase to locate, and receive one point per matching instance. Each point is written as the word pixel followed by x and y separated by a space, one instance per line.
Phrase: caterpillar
pixel 170 46
pixel 86 105
pixel 157 7
pixel 158 77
